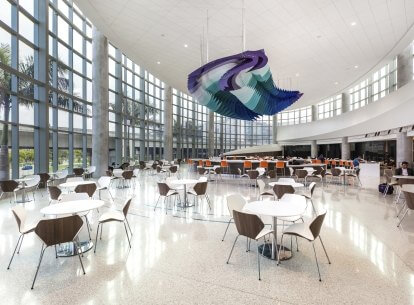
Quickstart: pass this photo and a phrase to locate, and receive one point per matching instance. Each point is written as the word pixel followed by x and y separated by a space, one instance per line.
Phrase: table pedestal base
pixel 70 249
pixel 284 255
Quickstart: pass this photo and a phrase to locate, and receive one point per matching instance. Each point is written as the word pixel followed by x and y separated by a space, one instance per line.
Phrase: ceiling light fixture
pixel 353 23
pixel 336 83
pixel 158 62
pixel 356 66
pixel 297 74
pixel 185 45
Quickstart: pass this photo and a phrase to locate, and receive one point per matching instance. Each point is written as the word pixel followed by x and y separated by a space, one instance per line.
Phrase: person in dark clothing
pixel 321 158
pixel 404 170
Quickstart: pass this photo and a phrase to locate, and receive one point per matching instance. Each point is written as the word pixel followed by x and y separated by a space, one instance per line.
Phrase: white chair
pixel 262 189
pixel 31 185
pixel 116 216
pixel 103 184
pixel 234 202
pixel 89 171
pixel 20 215
pixel 309 231
pixel 309 194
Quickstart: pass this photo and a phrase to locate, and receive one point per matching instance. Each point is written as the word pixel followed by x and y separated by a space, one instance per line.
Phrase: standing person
pixel 404 170
pixel 321 158
pixel 356 162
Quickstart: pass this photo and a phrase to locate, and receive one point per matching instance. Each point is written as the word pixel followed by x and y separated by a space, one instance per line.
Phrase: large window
pixel 296 116
pixel 359 95
pixel 384 80
pixel 330 107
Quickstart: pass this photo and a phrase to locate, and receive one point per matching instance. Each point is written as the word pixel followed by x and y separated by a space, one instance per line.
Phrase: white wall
pixel 393 111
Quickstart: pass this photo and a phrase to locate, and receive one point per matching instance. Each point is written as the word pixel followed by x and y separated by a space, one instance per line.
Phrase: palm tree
pixel 25 88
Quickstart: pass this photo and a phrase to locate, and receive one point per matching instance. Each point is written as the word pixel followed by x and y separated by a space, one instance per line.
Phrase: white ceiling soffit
pixel 319 47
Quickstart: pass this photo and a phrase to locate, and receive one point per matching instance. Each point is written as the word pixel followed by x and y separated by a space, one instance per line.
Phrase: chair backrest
pixel 316 224
pixel 318 170
pixel 173 169
pixel 104 181
pixel 163 188
pixel 91 169
pixel 35 180
pixel 8 185
pixel 247 164
pixel 44 177
pixel 74 197
pixel 280 190
pixel 158 169
pixel 78 171
pixel 20 214
pixel 301 173
pixel 125 209
pixel 154 165
pixel 72 179
pixel 201 170
pixel 264 164
pixel 135 172
pixel 59 230
pixel 127 174
pixel 253 174
pixel 224 163
pixel 200 188
pixel 289 180
pixel 280 164
pixel 248 225
pixel 408 190
pixel 235 202
pixel 218 170
pixel 323 173
pixel 200 163
pixel 54 192
pixel 62 174
pixel 271 174
pixel 336 171
pixel 88 188
pixel 312 187
pixel 261 185
pixel 208 163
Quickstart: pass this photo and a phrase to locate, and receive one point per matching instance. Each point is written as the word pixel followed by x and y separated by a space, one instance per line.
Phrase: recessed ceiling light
pixel 336 83
pixel 353 23
pixel 158 62
pixel 356 66
pixel 186 46
pixel 297 74
pixel 318 36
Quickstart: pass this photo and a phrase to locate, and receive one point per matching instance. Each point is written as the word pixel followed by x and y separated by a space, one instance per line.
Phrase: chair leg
pixel 14 252
pixel 96 239
pixel 232 248
pixel 157 202
pixel 225 232
pixel 280 250
pixel 42 251
pixel 323 246
pixel 79 251
pixel 126 231
pixel 402 209
pixel 316 259
pixel 258 257
pixel 208 201
pixel 406 211
pixel 87 227
pixel 126 219
pixel 18 250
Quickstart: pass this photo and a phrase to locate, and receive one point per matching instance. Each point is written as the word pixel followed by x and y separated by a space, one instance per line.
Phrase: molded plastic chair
pixel 262 189
pixel 235 202
pixel 166 192
pixel 103 184
pixel 309 231
pixel 57 231
pixel 88 188
pixel 9 186
pixel 200 189
pixel 280 190
pixel 54 193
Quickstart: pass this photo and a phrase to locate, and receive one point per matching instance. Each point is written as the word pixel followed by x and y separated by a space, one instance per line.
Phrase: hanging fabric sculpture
pixel 240 86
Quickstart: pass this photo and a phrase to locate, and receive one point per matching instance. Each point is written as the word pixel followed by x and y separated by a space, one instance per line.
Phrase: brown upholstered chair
pixel 252 175
pixel 117 216
pixel 57 231
pixel 201 170
pixel 9 186
pixel 88 188
pixel 250 226
pixel 218 171
pixel 301 174
pixel 271 174
pixel 44 178
pixel 78 172
pixel 280 190
pixel 20 215
pixel 166 192
pixel 54 193
pixel 336 174
pixel 127 177
pixel 309 231
pixel 200 189
pixel 408 191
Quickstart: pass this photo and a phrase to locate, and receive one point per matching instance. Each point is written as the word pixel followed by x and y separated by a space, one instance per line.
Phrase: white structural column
pixel 345 149
pixel 314 149
pixel 404 148
pixel 168 124
pixel 405 67
pixel 210 134
pixel 100 101
pixel 274 129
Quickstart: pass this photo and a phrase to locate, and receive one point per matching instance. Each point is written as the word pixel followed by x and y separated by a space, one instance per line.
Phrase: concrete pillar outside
pixel 210 134
pixel 100 103
pixel 314 149
pixel 345 149
pixel 404 149
pixel 168 124
pixel 404 66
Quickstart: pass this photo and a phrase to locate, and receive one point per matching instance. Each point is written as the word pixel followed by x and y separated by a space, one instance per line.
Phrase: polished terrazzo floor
pixel 179 258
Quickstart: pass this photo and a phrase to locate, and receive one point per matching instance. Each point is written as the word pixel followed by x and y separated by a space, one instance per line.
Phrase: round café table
pixel 72 208
pixel 22 182
pixel 184 182
pixel 291 206
pixel 294 184
pixel 73 184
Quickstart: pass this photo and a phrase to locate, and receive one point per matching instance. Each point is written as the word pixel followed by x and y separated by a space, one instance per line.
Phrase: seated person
pixel 404 170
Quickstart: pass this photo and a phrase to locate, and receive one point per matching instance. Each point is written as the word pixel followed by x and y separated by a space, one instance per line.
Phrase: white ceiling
pixel 311 45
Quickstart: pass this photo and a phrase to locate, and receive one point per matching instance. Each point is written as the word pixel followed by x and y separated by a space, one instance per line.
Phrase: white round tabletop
pixel 294 184
pixel 23 179
pixel 71 184
pixel 72 207
pixel 281 208
pixel 183 181
pixel 403 177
